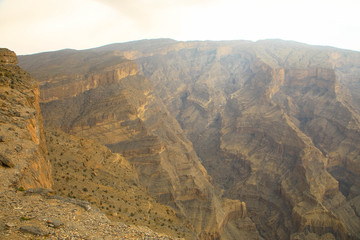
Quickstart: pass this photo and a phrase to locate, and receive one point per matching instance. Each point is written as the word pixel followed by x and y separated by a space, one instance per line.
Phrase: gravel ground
pixel 38 215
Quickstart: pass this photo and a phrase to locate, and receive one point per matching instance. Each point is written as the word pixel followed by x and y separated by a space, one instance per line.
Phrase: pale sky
pixel 30 26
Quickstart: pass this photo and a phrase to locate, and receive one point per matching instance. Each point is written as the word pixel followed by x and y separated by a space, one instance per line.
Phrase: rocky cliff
pixel 270 108
pixel 30 209
pixel 22 144
pixel 274 123
pixel 122 112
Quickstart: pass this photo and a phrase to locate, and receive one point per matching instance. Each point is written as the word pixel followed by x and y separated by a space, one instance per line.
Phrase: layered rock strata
pixel 28 207
pixel 123 113
pixel 275 124
pixel 84 169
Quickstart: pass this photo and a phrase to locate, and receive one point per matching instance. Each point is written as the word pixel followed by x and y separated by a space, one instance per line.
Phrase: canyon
pixel 115 105
pixel 222 139
pixel 44 195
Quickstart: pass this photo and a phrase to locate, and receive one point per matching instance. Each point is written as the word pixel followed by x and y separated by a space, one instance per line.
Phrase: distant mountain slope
pixel 275 123
pixel 268 112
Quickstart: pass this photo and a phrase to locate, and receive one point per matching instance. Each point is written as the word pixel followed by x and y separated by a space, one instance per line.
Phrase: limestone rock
pixel 10 225
pixel 7 56
pixel 55 223
pixel 22 147
pixel 41 191
pixel 35 230
pixel 6 162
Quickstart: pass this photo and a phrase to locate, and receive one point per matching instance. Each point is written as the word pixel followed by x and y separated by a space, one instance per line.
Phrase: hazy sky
pixel 29 26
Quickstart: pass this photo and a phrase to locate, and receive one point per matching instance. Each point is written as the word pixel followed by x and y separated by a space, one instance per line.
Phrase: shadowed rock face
pixel 275 124
pixel 22 145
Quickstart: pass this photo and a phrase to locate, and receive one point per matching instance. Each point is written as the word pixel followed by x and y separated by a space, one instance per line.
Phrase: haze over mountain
pixel 230 139
pixel 49 25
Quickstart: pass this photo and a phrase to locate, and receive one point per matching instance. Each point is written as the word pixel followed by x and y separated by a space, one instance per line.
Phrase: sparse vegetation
pixel 23 218
pixel 115 195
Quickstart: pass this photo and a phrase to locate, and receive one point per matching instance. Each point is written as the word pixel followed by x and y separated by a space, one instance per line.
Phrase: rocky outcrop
pixel 123 113
pixel 22 146
pixel 80 74
pixel 7 57
pixel 57 88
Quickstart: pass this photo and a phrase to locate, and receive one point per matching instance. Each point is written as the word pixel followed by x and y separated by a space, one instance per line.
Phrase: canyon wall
pixel 23 153
pixel 116 106
pixel 271 125
pixel 30 209
pixel 274 123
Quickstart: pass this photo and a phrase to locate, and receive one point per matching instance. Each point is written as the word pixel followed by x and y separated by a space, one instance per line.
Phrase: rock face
pixel 111 102
pixel 279 118
pixel 275 124
pixel 7 57
pixel 22 145
pixel 28 207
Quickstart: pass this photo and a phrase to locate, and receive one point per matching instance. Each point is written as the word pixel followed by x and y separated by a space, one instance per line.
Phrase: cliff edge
pixel 29 208
pixel 22 143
